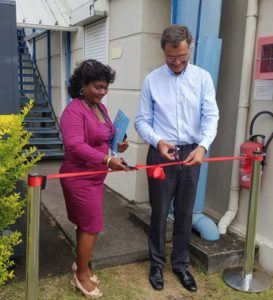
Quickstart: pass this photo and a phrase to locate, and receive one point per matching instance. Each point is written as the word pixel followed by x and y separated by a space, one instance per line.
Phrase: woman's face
pixel 95 91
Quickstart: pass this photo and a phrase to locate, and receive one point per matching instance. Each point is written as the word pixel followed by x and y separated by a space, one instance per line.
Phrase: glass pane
pixel 267 58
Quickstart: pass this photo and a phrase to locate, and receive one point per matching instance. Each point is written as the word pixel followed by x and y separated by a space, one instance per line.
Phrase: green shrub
pixel 14 165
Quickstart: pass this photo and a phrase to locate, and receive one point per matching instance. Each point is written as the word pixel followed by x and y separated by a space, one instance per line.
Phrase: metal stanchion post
pixel 246 279
pixel 33 231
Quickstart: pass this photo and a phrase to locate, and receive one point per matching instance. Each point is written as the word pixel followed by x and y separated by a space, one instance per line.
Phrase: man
pixel 178 117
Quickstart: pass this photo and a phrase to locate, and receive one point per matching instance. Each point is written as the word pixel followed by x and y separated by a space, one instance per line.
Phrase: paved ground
pixel 56 252
pixel 121 241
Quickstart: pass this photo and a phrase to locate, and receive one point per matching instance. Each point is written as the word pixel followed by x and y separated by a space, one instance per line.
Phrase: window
pixel 95 41
pixel 264 65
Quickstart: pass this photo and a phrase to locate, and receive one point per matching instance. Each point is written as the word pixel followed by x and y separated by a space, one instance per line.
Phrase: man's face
pixel 177 58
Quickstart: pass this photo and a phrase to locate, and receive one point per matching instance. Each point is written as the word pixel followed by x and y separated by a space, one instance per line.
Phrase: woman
pixel 87 132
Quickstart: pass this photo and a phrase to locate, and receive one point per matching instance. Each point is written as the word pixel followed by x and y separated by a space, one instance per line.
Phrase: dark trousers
pixel 181 185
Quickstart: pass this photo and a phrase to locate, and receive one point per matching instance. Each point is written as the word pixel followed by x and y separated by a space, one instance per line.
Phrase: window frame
pixel 262 42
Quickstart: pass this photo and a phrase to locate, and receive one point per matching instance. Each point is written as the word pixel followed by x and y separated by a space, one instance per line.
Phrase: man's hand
pixel 164 147
pixel 196 157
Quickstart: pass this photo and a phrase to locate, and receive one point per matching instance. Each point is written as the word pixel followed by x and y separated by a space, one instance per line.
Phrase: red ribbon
pixel 154 171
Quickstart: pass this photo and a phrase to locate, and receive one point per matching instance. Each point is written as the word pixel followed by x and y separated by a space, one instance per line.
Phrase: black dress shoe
pixel 187 280
pixel 156 278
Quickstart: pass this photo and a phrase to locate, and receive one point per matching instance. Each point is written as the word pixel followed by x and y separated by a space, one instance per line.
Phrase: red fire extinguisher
pixel 247 149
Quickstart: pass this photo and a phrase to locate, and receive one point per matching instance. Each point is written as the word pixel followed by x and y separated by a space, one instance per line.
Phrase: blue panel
pixel 174 12
pixel 208 56
pixel 210 18
pixel 186 14
pixel 201 189
pixel 202 17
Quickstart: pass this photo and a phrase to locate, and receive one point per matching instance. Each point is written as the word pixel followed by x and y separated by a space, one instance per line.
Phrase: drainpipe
pixel 49 65
pixel 67 62
pixel 246 76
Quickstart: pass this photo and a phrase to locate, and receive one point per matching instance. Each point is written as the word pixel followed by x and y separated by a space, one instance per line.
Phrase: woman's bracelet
pixel 108 161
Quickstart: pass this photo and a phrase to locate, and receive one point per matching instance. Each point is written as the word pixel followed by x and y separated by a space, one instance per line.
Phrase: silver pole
pixel 33 231
pixel 246 279
pixel 252 216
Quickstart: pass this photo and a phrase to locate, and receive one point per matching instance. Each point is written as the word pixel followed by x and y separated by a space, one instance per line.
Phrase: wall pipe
pixel 241 127
pixel 68 62
pixel 48 66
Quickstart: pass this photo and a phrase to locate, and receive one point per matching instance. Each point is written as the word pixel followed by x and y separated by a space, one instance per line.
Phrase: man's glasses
pixel 181 59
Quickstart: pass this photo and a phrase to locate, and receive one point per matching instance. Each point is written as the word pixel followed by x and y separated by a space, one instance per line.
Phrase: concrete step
pixel 38 120
pixel 43 130
pixel 45 141
pixel 31 91
pixel 39 110
pixel 52 153
pixel 227 252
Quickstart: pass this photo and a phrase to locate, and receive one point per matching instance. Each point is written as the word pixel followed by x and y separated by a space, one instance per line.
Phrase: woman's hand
pixel 123 146
pixel 115 163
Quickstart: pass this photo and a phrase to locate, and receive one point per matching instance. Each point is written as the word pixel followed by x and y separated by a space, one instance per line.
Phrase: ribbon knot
pixel 156 172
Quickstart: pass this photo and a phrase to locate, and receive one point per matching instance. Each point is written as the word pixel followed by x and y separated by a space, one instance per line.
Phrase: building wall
pixel 228 94
pixel 263 125
pixel 141 53
pixel 217 195
pixel 58 64
pixel 77 51
pixel 58 86
pixel 41 57
pixel 139 42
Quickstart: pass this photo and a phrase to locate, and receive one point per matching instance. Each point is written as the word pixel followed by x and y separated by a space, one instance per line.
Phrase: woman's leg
pixel 85 245
pixel 77 237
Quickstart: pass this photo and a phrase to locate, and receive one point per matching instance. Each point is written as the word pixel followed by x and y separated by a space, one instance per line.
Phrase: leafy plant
pixel 15 161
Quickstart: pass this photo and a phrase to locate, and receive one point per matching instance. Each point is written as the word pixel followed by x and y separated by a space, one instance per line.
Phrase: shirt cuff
pixel 154 140
pixel 204 146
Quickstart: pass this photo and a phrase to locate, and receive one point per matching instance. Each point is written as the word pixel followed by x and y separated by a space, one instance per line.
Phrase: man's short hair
pixel 174 35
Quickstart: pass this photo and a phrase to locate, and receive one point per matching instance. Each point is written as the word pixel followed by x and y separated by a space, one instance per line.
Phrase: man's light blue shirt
pixel 180 109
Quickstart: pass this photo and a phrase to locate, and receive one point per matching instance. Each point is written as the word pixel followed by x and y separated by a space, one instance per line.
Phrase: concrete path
pixel 121 241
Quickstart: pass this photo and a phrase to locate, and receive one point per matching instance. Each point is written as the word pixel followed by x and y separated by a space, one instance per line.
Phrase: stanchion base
pixel 258 282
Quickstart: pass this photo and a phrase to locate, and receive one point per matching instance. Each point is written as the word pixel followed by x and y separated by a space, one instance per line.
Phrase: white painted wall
pixel 84 12
pixel 263 125
pixel 228 94
pixel 141 53
pixel 217 192
pixel 58 67
pixel 139 42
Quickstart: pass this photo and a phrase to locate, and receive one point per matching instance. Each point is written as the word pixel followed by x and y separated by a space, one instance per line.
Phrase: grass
pixel 129 282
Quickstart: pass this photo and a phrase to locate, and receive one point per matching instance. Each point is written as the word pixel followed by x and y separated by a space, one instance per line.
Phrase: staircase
pixel 41 120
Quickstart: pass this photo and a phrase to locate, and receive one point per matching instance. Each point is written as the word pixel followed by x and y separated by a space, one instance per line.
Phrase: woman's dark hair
pixel 175 34
pixel 88 71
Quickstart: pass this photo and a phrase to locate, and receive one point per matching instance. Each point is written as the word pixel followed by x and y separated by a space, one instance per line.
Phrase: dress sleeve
pixel 72 129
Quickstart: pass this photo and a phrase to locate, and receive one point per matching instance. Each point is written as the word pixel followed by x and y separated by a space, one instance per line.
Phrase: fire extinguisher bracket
pixel 255 144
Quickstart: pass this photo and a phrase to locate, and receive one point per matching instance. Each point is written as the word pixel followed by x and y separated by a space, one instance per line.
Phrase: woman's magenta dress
pixel 86 142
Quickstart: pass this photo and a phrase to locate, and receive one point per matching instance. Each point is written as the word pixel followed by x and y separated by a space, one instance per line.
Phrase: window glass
pixel 267 58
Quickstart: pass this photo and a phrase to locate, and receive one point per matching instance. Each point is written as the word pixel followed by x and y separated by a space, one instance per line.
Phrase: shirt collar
pixel 184 72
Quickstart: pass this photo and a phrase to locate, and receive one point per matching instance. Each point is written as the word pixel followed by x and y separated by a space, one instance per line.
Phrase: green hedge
pixel 14 165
